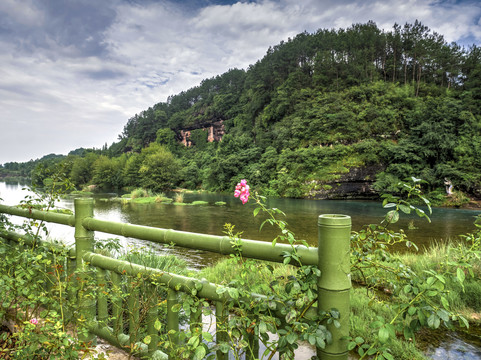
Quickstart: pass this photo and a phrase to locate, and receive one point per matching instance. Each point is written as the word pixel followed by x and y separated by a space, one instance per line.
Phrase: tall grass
pixel 169 263
pixel 179 197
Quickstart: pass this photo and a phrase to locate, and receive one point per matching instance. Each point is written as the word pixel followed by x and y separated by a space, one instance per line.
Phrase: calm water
pixel 301 216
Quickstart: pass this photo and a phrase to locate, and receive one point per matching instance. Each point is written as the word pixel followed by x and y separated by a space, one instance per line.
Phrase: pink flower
pixel 33 321
pixel 242 191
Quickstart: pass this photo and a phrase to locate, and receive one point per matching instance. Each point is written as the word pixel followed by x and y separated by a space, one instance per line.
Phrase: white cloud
pixel 73 73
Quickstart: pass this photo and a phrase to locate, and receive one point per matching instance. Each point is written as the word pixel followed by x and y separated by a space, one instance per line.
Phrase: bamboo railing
pixel 331 256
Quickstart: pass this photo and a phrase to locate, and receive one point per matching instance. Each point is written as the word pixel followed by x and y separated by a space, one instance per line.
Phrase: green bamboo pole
pixel 173 316
pixel 122 342
pixel 102 310
pixel 261 250
pixel 152 314
pixel 71 291
pixel 133 305
pixel 176 282
pixel 84 240
pixel 221 336
pixel 334 285
pixel 30 213
pixel 117 301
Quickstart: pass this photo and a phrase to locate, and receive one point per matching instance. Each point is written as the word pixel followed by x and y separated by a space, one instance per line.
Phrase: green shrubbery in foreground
pixel 368 305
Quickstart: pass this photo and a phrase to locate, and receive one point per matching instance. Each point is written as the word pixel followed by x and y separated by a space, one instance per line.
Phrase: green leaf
pixel 320 342
pixel 387 355
pixel 292 338
pixel 199 353
pixel 350 346
pixel 405 209
pixel 262 327
pixel 445 302
pixel 207 336
pixel 443 314
pixel 147 339
pixel 359 340
pixel 464 321
pixel 383 335
pixel 233 292
pixel 434 321
pixel 157 325
pixel 392 216
pixel 390 205
pixel 256 211
pixel 194 341
pixel 460 275
pixel 376 324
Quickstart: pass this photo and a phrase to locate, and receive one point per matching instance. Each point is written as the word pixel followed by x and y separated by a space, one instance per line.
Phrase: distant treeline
pixel 312 108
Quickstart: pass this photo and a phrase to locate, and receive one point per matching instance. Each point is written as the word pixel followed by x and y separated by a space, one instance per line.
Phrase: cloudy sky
pixel 72 72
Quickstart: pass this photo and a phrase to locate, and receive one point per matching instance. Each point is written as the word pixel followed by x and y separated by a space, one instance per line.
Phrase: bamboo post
pixel 102 308
pixel 133 304
pixel 152 315
pixel 172 316
pixel 334 285
pixel 117 301
pixel 71 283
pixel 84 241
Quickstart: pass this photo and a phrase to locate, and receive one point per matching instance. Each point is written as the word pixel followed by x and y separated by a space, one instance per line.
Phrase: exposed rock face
pixel 356 184
pixel 216 131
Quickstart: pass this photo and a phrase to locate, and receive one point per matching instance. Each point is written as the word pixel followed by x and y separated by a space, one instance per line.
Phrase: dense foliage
pixel 313 108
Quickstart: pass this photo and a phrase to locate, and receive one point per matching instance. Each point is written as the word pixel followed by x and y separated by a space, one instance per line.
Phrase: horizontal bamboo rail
pixel 331 257
pixel 30 213
pixel 260 250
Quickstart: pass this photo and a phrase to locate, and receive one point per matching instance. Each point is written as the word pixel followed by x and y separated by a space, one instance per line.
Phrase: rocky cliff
pixel 355 184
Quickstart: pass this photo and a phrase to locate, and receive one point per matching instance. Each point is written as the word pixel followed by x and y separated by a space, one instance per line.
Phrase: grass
pixel 366 308
pixel 169 263
pixel 179 197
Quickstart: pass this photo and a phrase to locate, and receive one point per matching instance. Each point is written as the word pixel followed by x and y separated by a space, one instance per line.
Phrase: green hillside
pixel 336 113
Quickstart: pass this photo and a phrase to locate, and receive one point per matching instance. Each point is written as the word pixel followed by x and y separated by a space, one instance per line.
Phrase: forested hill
pixel 355 106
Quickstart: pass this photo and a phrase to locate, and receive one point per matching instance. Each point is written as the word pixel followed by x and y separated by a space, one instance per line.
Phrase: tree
pixel 159 169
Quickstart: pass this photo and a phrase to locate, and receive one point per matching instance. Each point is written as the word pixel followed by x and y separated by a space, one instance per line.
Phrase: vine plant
pixel 419 299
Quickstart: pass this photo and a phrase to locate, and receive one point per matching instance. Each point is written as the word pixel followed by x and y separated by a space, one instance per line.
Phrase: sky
pixel 72 72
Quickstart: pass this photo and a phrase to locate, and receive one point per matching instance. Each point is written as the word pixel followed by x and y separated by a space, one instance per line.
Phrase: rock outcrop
pixel 355 184
pixel 216 131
